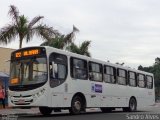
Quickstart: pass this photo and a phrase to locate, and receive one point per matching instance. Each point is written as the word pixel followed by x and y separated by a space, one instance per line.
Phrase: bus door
pixel 58 74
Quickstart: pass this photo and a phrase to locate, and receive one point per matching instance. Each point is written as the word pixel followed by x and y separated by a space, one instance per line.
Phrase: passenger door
pixel 58 74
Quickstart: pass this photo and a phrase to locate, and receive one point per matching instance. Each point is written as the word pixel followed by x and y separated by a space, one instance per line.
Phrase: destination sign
pixel 25 53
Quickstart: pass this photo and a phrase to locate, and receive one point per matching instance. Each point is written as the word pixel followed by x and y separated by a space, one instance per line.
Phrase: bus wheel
pixel 76 105
pixel 45 110
pixel 132 105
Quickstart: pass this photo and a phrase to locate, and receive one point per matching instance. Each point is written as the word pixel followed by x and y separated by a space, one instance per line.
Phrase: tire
pixel 45 110
pixel 76 105
pixel 132 105
pixel 106 110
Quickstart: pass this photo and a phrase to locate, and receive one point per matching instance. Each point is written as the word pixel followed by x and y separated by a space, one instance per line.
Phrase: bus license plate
pixel 21 101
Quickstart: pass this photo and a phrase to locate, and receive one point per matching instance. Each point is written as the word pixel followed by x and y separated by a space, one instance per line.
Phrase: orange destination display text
pixel 27 53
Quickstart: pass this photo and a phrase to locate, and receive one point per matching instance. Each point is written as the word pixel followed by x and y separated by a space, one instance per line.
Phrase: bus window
pixel 58 69
pixel 109 74
pixel 132 78
pixel 122 77
pixel 149 82
pixel 141 80
pixel 79 69
pixel 95 72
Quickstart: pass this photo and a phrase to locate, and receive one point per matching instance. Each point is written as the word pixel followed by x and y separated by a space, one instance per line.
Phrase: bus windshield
pixel 28 71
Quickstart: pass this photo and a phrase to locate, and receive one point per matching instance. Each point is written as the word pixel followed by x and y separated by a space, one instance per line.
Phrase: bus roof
pixel 95 60
pixel 51 49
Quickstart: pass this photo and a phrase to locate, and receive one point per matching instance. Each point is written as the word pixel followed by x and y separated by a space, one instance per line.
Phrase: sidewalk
pixel 19 111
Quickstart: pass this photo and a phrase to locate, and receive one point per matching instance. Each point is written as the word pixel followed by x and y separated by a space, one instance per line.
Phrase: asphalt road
pixel 143 114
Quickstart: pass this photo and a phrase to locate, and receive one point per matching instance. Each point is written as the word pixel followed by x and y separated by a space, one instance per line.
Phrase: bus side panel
pixel 93 99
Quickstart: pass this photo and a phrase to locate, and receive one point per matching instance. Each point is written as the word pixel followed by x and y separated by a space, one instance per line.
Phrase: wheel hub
pixel 77 105
pixel 132 106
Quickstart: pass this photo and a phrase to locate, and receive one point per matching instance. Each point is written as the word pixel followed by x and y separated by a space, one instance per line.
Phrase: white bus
pixel 54 79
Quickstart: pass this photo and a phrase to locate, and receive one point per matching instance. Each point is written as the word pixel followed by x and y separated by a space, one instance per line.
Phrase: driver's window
pixel 57 69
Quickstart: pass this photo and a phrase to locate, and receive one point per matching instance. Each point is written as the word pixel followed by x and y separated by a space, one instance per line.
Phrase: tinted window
pixel 109 74
pixel 149 82
pixel 79 68
pixel 141 80
pixel 95 71
pixel 132 78
pixel 122 77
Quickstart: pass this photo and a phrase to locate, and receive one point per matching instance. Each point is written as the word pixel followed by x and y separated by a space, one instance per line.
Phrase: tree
pixel 20 27
pixel 61 41
pixel 157 61
pixel 81 49
pixel 56 42
pixel 67 42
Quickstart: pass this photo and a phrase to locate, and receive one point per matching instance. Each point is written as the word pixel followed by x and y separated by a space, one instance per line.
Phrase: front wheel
pixel 76 105
pixel 45 110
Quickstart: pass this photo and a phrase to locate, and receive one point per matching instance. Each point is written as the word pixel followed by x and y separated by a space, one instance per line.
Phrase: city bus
pixel 54 80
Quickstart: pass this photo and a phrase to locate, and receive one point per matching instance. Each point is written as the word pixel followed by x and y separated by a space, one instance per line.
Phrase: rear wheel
pixel 132 106
pixel 45 110
pixel 76 105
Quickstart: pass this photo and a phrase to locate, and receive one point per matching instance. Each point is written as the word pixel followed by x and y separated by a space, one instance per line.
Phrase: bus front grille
pixel 22 100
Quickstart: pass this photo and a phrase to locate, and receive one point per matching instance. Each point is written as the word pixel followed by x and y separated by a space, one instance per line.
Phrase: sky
pixel 120 30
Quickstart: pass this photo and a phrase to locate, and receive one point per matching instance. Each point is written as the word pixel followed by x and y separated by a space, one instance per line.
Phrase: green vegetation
pixel 67 42
pixel 82 49
pixel 61 41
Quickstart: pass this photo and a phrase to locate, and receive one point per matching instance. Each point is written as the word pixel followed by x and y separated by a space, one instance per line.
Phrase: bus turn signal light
pixel 14 81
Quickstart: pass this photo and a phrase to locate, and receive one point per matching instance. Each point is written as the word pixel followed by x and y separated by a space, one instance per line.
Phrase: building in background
pixel 5 54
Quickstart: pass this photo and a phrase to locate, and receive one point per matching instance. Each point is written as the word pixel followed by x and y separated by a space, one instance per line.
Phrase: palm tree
pixel 56 42
pixel 61 41
pixel 81 49
pixel 22 28
pixel 67 42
